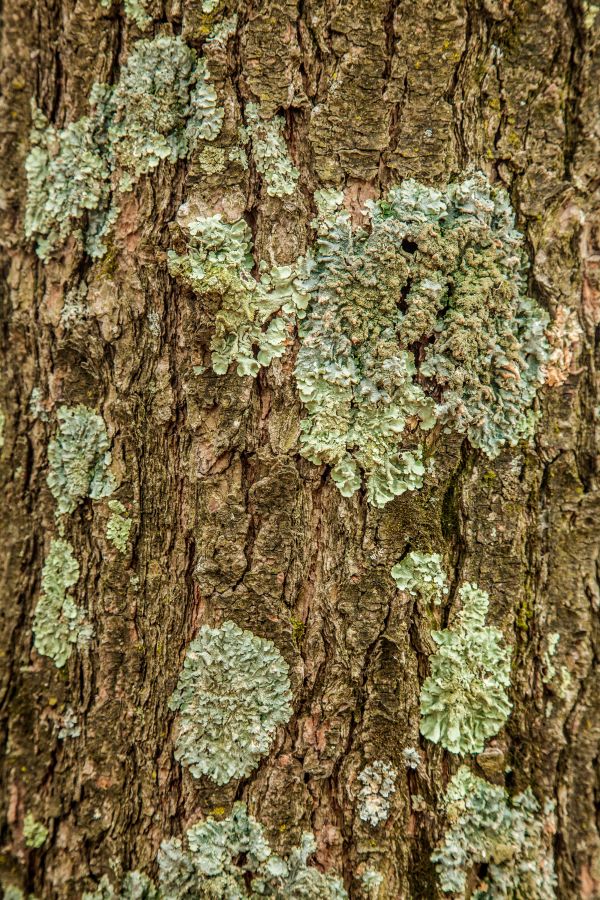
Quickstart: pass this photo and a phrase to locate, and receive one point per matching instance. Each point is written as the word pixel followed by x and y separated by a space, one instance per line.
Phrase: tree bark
pixel 230 523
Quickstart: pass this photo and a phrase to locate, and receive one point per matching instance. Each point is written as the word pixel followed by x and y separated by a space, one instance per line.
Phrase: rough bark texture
pixel 229 522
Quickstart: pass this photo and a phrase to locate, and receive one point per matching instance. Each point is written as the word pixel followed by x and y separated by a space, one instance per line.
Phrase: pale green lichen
pixel 78 458
pixel 134 9
pixel 430 303
pixel 464 700
pixel 58 623
pixel 505 834
pixel 68 182
pixel 118 526
pixel 422 319
pixel 12 892
pixel 69 727
pixel 231 858
pixel 412 758
pixel 134 886
pixel 232 694
pixel 161 107
pixel 371 881
pixel 256 316
pixel 223 30
pixel 421 574
pixel 212 160
pixel 270 152
pixel 35 833
pixel 378 783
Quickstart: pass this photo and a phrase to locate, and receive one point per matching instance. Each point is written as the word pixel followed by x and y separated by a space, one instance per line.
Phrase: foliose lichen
pixel 134 9
pixel 78 458
pixel 69 727
pixel 371 881
pixel 161 107
pixel 378 782
pixel 421 574
pixel 35 833
pixel 256 316
pixel 422 319
pixel 134 886
pixel 118 525
pixel 58 623
pixel 270 152
pixel 233 692
pixel 464 701
pixel 412 758
pixel 232 858
pixel 506 834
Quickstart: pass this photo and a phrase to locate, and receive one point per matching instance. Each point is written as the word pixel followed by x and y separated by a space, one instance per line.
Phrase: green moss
pixel 231 858
pixel 35 833
pixel 464 700
pixel 421 574
pixel 58 623
pixel 232 694
pixel 504 834
pixel 78 458
pixel 161 107
pixel 118 526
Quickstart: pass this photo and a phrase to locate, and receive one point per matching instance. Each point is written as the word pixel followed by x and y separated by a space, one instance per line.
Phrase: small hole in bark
pixel 409 246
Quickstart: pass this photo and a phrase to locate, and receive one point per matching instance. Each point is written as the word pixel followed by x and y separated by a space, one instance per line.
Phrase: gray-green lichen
pixel 423 318
pixel 35 833
pixel 69 726
pixel 412 758
pixel 232 694
pixel 118 525
pixel 256 316
pixel 161 107
pixel 232 859
pixel 371 881
pixel 270 152
pixel 134 9
pixel 421 574
pixel 78 458
pixel 464 701
pixel 58 623
pixel 134 886
pixel 378 783
pixel 505 834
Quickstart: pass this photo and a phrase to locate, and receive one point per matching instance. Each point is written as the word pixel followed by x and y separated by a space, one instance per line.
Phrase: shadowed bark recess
pixel 228 521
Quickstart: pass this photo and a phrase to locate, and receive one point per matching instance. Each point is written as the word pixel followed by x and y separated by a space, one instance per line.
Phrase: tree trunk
pixel 206 512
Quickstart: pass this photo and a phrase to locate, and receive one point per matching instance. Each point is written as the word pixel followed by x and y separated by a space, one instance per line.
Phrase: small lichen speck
pixel 35 833
pixel 378 782
pixel 232 694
